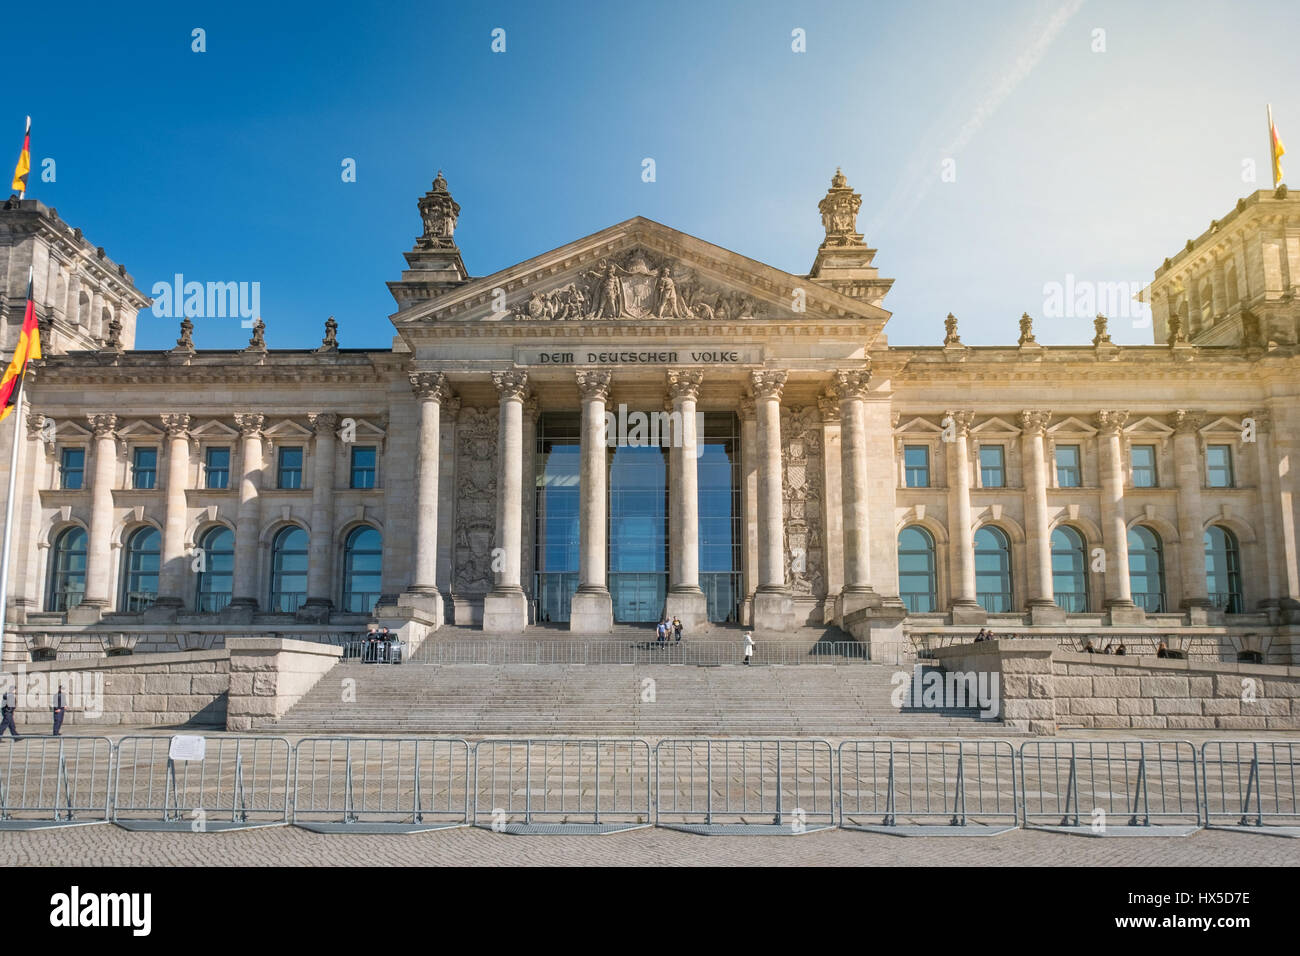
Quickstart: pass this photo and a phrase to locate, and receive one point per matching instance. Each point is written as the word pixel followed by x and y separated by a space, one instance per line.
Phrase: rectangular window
pixel 289 472
pixel 144 468
pixel 1218 466
pixel 1069 474
pixel 993 466
pixel 1144 466
pixel 217 468
pixel 72 469
pixel 363 467
pixel 916 465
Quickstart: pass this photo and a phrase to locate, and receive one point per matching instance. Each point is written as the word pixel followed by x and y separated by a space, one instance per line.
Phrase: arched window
pixel 140 570
pixel 1069 570
pixel 217 578
pixel 288 570
pixel 363 557
pixel 67 570
pixel 992 570
pixel 1146 569
pixel 916 578
pixel 1223 569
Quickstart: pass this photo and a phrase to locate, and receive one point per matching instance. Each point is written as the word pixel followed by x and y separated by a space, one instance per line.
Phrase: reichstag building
pixel 642 423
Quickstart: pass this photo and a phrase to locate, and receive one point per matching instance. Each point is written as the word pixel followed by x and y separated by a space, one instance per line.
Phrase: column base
pixel 426 603
pixel 1124 613
pixel 85 613
pixel 505 611
pixel 968 612
pixel 163 611
pixel 591 612
pixel 856 598
pixel 1043 612
pixel 315 611
pixel 773 611
pixel 238 611
pixel 691 607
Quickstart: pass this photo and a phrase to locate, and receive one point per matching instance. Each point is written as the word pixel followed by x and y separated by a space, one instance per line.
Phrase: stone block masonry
pixel 268 675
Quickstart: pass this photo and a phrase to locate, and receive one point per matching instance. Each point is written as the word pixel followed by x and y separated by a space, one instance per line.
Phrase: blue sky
pixel 225 165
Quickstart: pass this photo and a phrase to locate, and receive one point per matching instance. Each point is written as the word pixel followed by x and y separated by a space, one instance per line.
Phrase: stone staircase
pixel 652 699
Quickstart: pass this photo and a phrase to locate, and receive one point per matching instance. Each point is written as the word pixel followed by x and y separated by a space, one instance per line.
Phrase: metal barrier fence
pixel 562 786
pixel 55 782
pixel 235 783
pixel 744 785
pixel 1251 785
pixel 1150 786
pixel 703 653
pixel 374 652
pixel 380 784
pixel 927 787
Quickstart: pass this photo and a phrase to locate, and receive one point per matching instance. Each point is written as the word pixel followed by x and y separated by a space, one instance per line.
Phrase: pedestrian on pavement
pixel 8 704
pixel 749 645
pixel 661 633
pixel 677 628
pixel 60 705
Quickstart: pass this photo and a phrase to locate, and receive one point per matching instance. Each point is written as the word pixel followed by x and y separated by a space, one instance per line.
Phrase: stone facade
pixel 642 316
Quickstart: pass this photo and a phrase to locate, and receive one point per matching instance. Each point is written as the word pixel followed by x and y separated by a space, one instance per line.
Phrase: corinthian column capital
pixel 1111 421
pixel 960 419
pixel 249 424
pixel 767 384
pixel 176 426
pixel 851 383
pixel 1034 421
pixel 323 423
pixel 685 384
pixel 593 384
pixel 102 425
pixel 428 386
pixel 1187 422
pixel 511 385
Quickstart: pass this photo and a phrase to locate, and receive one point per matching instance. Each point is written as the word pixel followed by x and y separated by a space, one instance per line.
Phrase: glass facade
pixel 1069 570
pixel 638 532
pixel 363 558
pixel 216 580
pixel 140 577
pixel 558 471
pixel 721 517
pixel 288 571
pixel 1223 569
pixel 67 570
pixel 992 570
pixel 916 577
pixel 1146 569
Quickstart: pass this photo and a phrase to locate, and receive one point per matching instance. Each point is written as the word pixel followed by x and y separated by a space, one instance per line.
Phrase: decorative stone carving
pixel 960 420
pixel 1034 421
pixel 476 492
pixel 1099 326
pixel 249 424
pixel 258 342
pixel 637 285
pixel 829 405
pixel 839 209
pixel 428 385
pixel 512 384
pixel 1177 330
pixel 1263 420
pixel 593 384
pixel 439 213
pixel 114 341
pixel 331 341
pixel 767 384
pixel 1187 422
pixel 186 342
pixel 1111 421
pixel 803 496
pixel 851 383
pixel 1027 330
pixel 103 424
pixel 685 384
pixel 747 409
pixel 175 425
pixel 950 336
pixel 323 423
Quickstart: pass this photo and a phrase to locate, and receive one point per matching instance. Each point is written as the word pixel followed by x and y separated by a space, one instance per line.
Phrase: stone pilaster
pixel 851 389
pixel 1114 527
pixel 172 577
pixel 99 550
pixel 833 510
pixel 505 607
pixel 1041 604
pixel 773 609
pixel 1280 577
pixel 592 609
pixel 320 545
pixel 749 501
pixel 423 595
pixel 1191 537
pixel 685 598
pixel 961 537
pixel 245 599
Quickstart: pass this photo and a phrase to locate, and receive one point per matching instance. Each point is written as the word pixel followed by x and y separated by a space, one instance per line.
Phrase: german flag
pixel 29 347
pixel 24 162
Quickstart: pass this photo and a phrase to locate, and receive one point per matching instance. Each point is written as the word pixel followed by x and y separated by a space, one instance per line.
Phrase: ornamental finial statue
pixel 1099 325
pixel 950 336
pixel 1027 330
pixel 331 341
pixel 839 209
pixel 439 213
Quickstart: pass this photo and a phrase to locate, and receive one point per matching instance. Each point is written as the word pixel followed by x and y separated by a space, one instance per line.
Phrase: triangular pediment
pixel 1071 426
pixel 995 427
pixel 1220 425
pixel 286 431
pixel 140 430
pixel 214 431
pixel 640 270
pixel 917 425
pixel 1149 426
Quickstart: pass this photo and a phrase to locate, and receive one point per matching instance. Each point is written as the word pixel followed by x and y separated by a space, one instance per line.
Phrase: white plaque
pixel 188 747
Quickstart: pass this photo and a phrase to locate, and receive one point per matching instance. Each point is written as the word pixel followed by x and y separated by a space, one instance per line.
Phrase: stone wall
pixel 269 675
pixel 160 690
pixel 1045 689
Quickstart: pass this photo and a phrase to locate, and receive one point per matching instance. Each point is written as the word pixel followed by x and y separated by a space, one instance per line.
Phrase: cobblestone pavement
pixel 107 845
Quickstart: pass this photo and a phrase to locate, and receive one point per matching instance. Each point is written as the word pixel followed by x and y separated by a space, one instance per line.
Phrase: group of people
pixel 9 705
pixel 1118 649
pixel 378 645
pixel 667 629
pixel 987 635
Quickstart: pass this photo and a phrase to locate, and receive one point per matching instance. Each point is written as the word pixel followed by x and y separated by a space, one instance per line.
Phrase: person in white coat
pixel 749 645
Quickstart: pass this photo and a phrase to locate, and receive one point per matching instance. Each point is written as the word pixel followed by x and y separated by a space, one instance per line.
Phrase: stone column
pixel 851 389
pixel 749 501
pixel 528 554
pixel 833 499
pixel 1272 526
pixel 1114 526
pixel 773 609
pixel 245 598
pixel 1041 604
pixel 99 550
pixel 320 546
pixel 592 609
pixel 685 598
pixel 961 536
pixel 449 410
pixel 171 578
pixel 505 608
pixel 430 389
pixel 1191 543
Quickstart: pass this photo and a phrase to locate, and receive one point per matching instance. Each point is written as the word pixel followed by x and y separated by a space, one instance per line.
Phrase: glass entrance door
pixel 638 532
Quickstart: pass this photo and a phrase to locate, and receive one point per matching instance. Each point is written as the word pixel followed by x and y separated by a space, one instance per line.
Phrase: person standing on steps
pixel 749 646
pixel 60 706
pixel 677 628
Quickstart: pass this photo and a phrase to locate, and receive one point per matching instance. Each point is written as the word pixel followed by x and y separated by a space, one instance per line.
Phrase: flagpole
pixel 1272 147
pixel 22 194
pixel 9 511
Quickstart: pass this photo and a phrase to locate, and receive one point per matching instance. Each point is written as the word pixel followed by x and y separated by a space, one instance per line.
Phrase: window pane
pixel 218 468
pixel 992 466
pixel 290 469
pixel 1144 466
pixel 145 470
pixel 363 467
pixel 1218 459
pixel 1068 473
pixel 72 469
pixel 916 465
